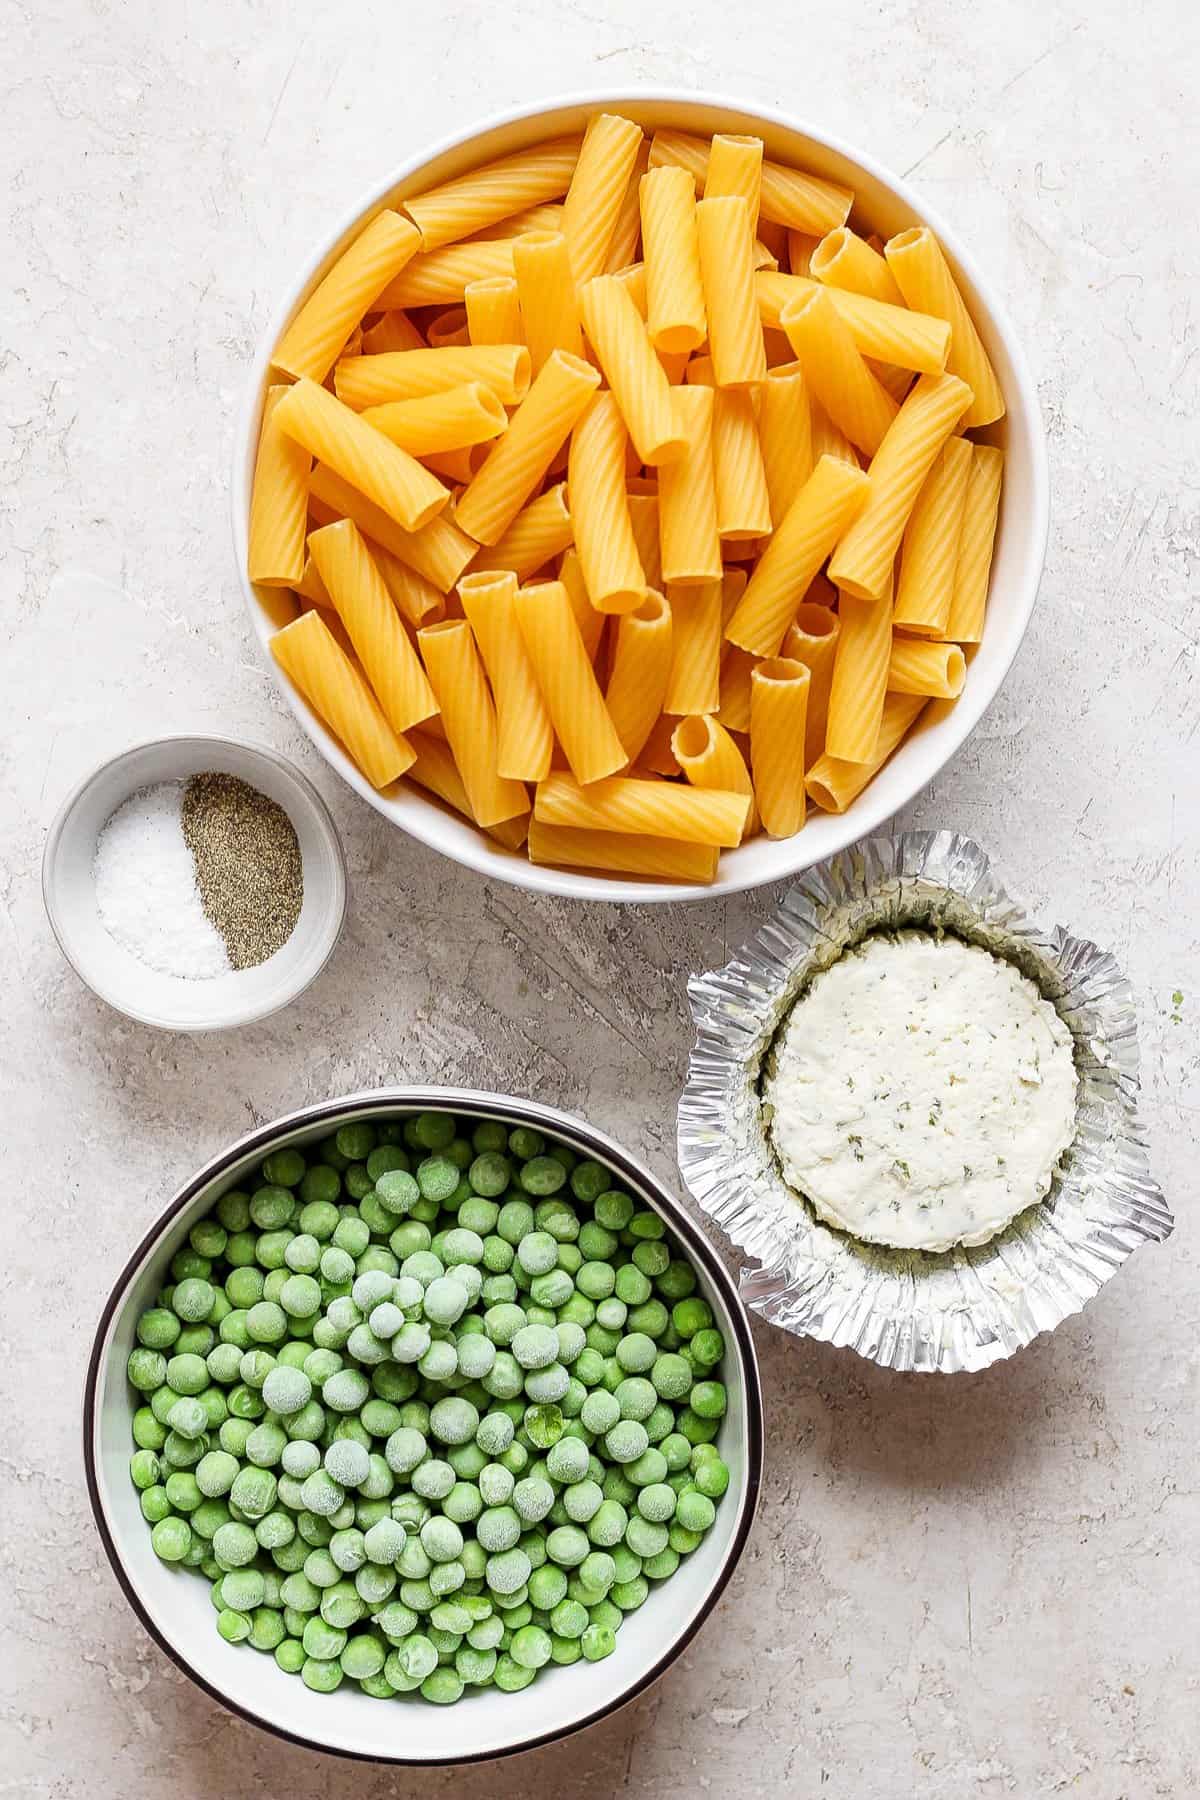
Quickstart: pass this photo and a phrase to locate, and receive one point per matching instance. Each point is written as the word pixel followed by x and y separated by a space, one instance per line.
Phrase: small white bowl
pixel 175 1606
pixel 890 205
pixel 171 1002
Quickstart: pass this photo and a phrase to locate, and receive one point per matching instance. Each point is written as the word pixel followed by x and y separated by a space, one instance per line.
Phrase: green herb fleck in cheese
pixel 922 1093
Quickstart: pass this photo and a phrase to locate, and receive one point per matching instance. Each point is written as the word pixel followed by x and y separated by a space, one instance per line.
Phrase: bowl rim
pixel 322 816
pixel 866 815
pixel 452 1099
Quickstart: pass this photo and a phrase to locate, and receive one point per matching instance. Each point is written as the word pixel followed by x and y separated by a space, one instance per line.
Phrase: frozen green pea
pixel 567 1460
pixel 530 1647
pixel 608 1523
pixel 711 1478
pixel 626 1441
pixel 707 1398
pixel 187 1418
pixel 144 1469
pixel 182 1492
pixel 637 1352
pixel 535 1346
pixel 154 1504
pixel 567 1545
pixel 597 1642
pixel 286 1390
pixel 146 1370
pixel 582 1501
pixel 533 1497
pixel 508 1572
pixel 157 1328
pixel 694 1510
pixel 542 1175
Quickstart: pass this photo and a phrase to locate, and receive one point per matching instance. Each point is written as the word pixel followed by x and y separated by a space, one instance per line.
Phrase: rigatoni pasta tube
pixel 451 420
pixel 434 768
pixel 735 338
pixel 643 517
pixel 785 436
pixel 314 662
pixel 456 674
pixel 590 622
pixel 407 374
pixel 938 670
pixel 547 217
pixel 675 318
pixel 641 665
pixel 778 714
pixel 568 682
pixel 975 546
pixel 693 685
pixel 387 475
pixel 687 496
pixel 801 247
pixel 494 311
pixel 365 607
pixel 697 815
pixel 829 439
pixel 455 209
pixel 833 784
pixel 860 669
pixel 862 562
pixel 886 333
pixel 812 639
pixel 549 307
pixel 800 201
pixel 657 755
pixel 931 538
pixel 443 276
pixel 412 595
pixel 608 552
pixel 737 666
pixel 835 371
pixel 311 342
pixel 392 331
pixel 923 277
pixel 541 531
pixel 543 421
pixel 812 525
pixel 278 503
pixel 439 551
pixel 597 190
pixel 524 734
pixel 449 329
pixel 735 166
pixel 844 260
pixel 632 370
pixel 743 499
pixel 623 244
pixel 668 858
pixel 709 758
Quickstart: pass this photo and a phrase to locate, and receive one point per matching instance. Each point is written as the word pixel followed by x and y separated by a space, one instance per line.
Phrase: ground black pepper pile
pixel 248 865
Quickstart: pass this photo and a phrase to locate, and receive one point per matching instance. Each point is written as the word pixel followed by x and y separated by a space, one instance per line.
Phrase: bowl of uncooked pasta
pixel 640 496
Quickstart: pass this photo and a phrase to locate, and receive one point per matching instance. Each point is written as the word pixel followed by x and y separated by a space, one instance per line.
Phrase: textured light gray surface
pixel 978 1587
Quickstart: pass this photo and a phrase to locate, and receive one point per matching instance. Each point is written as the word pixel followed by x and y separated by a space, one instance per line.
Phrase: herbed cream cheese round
pixel 921 1092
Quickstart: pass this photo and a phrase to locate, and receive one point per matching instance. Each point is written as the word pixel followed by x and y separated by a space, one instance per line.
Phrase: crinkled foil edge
pixel 960 1310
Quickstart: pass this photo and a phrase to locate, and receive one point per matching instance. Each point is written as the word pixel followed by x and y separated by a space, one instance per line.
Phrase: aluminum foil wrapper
pixel 962 1309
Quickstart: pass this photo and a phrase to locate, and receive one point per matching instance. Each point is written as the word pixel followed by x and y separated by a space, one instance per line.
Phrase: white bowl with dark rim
pixel 887 204
pixel 174 1605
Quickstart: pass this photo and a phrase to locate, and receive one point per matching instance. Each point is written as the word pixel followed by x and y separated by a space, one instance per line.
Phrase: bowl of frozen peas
pixel 424 1426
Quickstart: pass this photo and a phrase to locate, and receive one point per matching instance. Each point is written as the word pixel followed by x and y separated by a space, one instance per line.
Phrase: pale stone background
pixel 970 1588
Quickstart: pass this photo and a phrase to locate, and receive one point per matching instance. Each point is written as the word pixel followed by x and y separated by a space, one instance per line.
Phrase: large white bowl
pixel 174 1605
pixel 888 205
